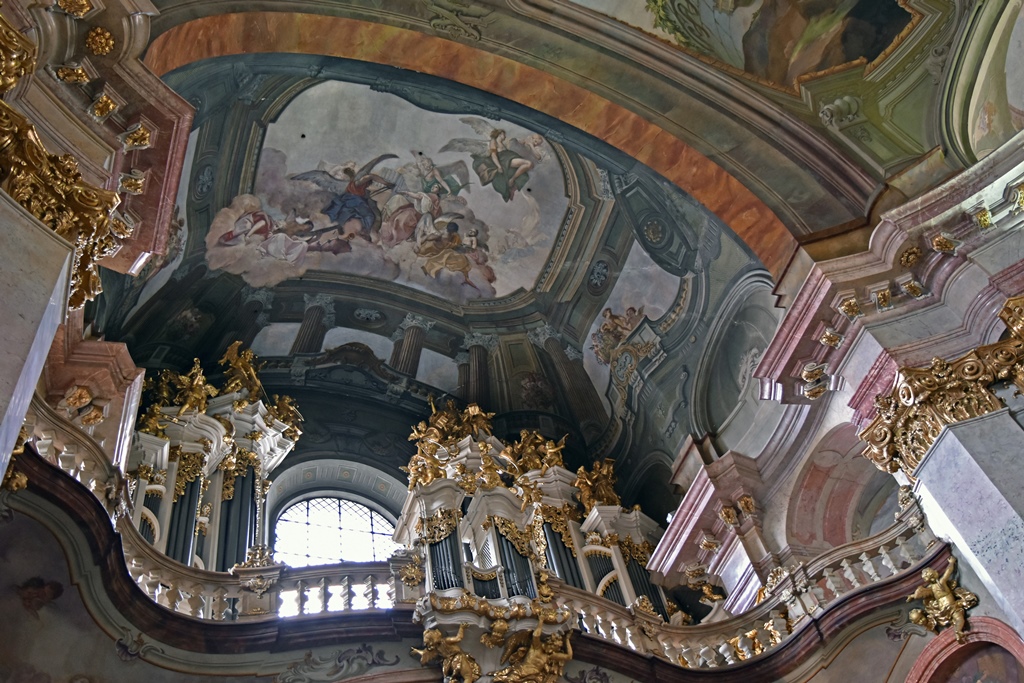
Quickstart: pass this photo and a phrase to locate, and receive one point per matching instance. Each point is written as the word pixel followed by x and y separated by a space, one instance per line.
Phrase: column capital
pixel 263 296
pixel 461 358
pixel 539 335
pixel 488 341
pixel 324 301
pixel 411 319
pixel 262 320
pixel 572 353
pixel 398 334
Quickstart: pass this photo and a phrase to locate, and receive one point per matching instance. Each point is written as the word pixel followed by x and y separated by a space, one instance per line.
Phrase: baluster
pixel 746 646
pixel 300 596
pixel 867 563
pixel 904 551
pixel 391 594
pixel 725 649
pixel 850 574
pixel 195 601
pixel 324 592
pixel 589 619
pixel 220 607
pixel 370 592
pixel 924 536
pixel 709 658
pixel 172 596
pixel 833 583
pixel 687 655
pixel 765 639
pixel 779 623
pixel 346 594
pixel 887 560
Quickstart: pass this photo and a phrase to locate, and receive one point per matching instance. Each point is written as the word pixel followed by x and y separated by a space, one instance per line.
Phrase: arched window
pixel 331 530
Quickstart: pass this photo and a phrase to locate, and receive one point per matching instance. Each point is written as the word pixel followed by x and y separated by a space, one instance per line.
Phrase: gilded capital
pixel 925 400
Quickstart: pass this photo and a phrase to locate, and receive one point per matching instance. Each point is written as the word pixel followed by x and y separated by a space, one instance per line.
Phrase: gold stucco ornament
pixel 945 603
pixel 597 487
pixel 458 666
pixel 532 658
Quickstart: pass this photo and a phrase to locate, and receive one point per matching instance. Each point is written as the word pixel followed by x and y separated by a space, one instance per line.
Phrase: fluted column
pixel 407 357
pixel 318 318
pixel 573 380
pixel 478 387
pixel 462 363
pixel 396 350
pixel 255 314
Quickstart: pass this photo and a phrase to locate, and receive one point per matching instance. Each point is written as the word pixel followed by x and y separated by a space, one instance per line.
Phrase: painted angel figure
pixel 499 161
pixel 351 209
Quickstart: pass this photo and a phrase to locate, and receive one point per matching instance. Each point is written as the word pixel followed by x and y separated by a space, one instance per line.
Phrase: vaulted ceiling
pixel 628 180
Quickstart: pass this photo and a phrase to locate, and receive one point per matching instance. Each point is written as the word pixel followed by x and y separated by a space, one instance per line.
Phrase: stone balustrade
pixel 221 596
pixel 796 597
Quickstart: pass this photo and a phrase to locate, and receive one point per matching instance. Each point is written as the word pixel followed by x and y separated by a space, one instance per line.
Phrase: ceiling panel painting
pixel 776 41
pixel 365 183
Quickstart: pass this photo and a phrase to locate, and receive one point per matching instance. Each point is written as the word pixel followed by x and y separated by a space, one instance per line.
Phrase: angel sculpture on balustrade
pixel 532 658
pixel 458 666
pixel 945 603
pixel 597 487
pixel 240 372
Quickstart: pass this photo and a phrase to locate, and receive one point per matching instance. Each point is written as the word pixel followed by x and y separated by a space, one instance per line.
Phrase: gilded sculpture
pixel 458 666
pixel 597 487
pixel 910 418
pixel 285 410
pixel 193 391
pixel 531 658
pixel 945 603
pixel 240 368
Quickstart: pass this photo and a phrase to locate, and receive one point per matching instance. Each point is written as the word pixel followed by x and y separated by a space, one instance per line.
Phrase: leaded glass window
pixel 332 530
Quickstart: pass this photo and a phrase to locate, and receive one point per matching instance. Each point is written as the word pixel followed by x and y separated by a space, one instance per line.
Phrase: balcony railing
pixel 203 594
pixel 805 591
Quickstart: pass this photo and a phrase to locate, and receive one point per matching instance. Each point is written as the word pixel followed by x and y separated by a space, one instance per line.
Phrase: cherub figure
pixel 457 666
pixel 597 487
pixel 193 391
pixel 285 410
pixel 240 372
pixel 490 475
pixel 945 603
pixel 552 454
pixel 476 420
pixel 496 636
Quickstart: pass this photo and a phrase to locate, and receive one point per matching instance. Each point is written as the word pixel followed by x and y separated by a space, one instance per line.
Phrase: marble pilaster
pixel 35 272
pixel 971 487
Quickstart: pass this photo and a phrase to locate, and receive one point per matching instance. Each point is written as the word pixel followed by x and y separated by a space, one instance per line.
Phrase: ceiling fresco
pixel 391 193
pixel 776 41
pixel 366 183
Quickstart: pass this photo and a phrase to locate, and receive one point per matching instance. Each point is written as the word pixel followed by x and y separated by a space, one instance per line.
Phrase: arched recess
pixel 726 403
pixel 293 33
pixel 942 656
pixel 839 496
pixel 651 487
pixel 977 116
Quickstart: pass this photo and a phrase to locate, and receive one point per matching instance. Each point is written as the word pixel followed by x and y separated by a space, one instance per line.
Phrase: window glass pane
pixel 332 530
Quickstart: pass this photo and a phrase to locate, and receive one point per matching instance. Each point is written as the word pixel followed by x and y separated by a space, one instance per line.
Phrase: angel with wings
pixel 503 163
pixel 351 209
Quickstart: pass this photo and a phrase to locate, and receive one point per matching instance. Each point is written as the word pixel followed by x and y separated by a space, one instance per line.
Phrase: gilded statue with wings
pixel 499 161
